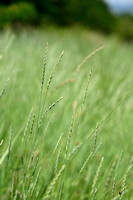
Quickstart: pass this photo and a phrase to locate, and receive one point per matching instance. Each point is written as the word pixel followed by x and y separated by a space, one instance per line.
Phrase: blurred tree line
pixel 92 14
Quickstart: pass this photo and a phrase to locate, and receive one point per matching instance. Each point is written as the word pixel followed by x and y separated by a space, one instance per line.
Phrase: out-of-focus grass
pixel 108 105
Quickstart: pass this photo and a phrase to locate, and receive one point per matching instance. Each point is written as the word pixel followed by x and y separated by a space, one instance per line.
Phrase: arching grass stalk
pixel 46 111
pixel 52 184
pixel 50 80
pixel 88 57
pixel 42 83
pixel 83 102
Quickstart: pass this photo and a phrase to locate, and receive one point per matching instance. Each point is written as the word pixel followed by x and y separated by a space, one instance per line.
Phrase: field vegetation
pixel 66 105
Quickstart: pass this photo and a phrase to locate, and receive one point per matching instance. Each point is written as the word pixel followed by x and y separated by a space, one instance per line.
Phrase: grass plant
pixel 69 149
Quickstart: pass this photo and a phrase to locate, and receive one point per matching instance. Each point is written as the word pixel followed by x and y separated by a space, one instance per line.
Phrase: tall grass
pixel 65 148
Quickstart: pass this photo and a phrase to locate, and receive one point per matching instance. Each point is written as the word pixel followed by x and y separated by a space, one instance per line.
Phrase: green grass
pixel 83 147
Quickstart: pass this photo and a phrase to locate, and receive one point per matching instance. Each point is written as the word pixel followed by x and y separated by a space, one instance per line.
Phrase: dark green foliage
pixel 125 28
pixel 93 14
pixel 22 12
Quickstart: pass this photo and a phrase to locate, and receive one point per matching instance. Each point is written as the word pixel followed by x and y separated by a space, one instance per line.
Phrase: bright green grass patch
pixel 67 135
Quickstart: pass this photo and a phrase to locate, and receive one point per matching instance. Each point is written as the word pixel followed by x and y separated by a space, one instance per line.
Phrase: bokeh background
pixel 107 16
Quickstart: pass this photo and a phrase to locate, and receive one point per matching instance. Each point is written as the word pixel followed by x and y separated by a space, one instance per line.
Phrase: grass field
pixel 76 147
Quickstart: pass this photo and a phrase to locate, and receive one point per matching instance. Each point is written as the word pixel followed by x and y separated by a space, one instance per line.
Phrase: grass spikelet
pixel 87 86
pixel 82 107
pixel 30 160
pixel 43 77
pixel 47 110
pixel 32 175
pixel 4 89
pixel 52 184
pixel 73 152
pixel 57 144
pixel 109 176
pixel 116 169
pixel 118 163
pixel 124 179
pixel 32 124
pixel 28 123
pixel 95 140
pixel 62 84
pixel 85 163
pixel 57 160
pixel 113 187
pixel 96 176
pixel 35 166
pixel 9 147
pixel 94 194
pixel 49 82
pixel 98 147
pixel 44 66
pixel 35 183
pixel 88 57
pixel 54 69
pixel 48 125
pixel 69 135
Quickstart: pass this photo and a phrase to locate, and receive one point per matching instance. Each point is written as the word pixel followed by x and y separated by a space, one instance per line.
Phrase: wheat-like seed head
pixel 125 178
pixel 73 152
pixel 44 65
pixel 57 144
pixel 109 176
pixel 54 69
pixel 47 110
pixel 48 125
pixel 116 169
pixel 32 124
pixel 85 163
pixel 69 135
pixel 57 160
pixel 96 176
pixel 88 57
pixel 36 180
pixel 62 84
pixel 52 184
pixel 95 140
pixel 28 123
pixel 87 86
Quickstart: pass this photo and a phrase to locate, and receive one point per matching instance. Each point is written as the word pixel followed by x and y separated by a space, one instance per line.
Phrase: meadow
pixel 66 110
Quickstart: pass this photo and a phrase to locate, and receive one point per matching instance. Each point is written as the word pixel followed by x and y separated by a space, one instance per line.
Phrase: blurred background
pixel 106 16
